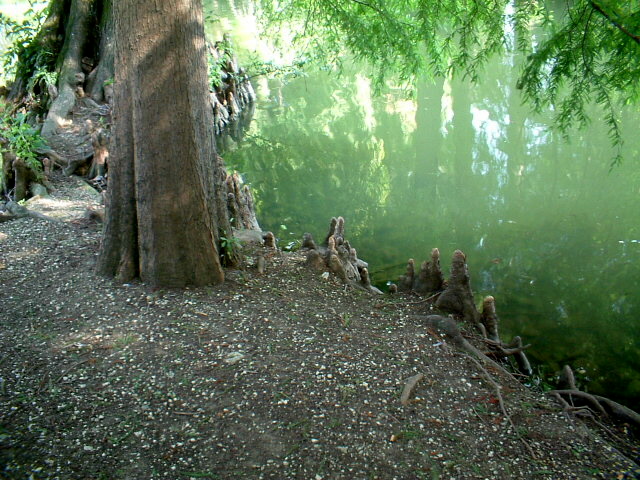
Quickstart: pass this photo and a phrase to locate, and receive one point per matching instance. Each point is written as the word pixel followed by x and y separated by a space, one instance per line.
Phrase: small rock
pixel 38 190
pixel 234 357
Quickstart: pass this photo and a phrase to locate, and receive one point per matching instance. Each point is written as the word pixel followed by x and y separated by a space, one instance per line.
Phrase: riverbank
pixel 283 374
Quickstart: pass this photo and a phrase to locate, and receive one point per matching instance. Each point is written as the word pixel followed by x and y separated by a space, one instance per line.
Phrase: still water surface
pixel 547 228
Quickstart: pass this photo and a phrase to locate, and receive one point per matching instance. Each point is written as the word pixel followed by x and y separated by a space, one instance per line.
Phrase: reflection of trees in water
pixel 555 232
pixel 570 291
pixel 311 160
pixel 540 220
pixel 235 131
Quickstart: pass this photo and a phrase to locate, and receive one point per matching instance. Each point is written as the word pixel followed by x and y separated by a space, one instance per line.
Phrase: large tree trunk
pixel 166 191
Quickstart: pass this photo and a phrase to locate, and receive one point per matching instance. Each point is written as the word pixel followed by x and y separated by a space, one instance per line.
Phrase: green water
pixel 547 229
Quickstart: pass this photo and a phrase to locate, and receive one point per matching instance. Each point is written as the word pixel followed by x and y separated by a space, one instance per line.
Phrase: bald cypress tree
pixel 166 196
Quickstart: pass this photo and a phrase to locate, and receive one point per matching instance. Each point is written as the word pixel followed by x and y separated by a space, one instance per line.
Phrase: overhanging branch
pixel 618 25
pixel 373 7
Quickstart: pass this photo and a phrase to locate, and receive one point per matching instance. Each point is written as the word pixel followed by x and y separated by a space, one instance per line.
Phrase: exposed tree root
pixel 15 211
pixel 448 327
pixel 71 78
pixel 625 422
pixel 22 176
pixel 338 257
pixel 574 400
pixel 409 388
pixel 455 297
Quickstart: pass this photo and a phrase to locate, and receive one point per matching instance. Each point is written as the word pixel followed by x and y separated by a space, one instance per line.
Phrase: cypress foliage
pixel 583 52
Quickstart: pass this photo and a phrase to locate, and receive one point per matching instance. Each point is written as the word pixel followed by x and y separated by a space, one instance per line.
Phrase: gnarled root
pixel 235 96
pixel 573 399
pixel 240 204
pixel 489 325
pixel 99 141
pixel 449 328
pixel 337 256
pixel 15 211
pixel 22 176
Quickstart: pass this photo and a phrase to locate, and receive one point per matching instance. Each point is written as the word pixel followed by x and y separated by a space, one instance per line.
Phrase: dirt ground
pixel 284 374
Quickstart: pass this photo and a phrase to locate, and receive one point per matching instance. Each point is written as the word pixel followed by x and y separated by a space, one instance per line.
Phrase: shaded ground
pixel 279 375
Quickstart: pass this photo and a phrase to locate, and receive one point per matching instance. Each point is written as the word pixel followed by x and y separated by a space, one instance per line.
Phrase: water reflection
pixel 464 166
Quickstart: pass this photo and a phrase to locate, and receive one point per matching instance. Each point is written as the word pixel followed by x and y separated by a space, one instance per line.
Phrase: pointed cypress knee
pixel 337 256
pixel 489 318
pixel 430 278
pixel 308 242
pixel 332 230
pixel 405 282
pixel 457 298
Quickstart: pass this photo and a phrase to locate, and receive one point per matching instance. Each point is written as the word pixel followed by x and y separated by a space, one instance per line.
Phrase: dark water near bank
pixel 547 229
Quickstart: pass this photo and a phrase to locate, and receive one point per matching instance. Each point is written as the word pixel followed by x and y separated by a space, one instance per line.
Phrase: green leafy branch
pixel 588 54
pixel 23 140
pixel 590 58
pixel 24 55
pixel 229 248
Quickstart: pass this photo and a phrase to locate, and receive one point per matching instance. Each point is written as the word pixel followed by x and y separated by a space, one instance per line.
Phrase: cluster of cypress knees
pixel 450 302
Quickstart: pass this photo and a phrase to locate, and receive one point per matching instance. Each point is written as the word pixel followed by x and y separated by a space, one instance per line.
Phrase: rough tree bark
pixel 99 86
pixel 71 77
pixel 166 197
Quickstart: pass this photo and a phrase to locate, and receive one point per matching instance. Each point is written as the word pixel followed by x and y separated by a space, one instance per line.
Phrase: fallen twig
pixel 72 367
pixel 409 387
